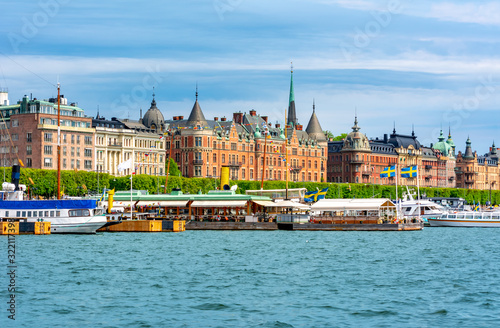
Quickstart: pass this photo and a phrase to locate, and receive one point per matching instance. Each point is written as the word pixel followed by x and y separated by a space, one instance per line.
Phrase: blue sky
pixel 430 64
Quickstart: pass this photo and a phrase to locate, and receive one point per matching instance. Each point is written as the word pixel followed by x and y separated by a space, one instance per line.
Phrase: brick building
pixel 29 133
pixel 249 145
pixel 356 159
pixel 478 172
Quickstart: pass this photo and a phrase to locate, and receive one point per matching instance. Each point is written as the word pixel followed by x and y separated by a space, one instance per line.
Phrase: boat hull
pixel 464 223
pixel 75 225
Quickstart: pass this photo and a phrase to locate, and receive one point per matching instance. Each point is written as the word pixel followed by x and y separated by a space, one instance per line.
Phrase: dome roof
pixel 153 117
pixel 356 140
pixel 442 146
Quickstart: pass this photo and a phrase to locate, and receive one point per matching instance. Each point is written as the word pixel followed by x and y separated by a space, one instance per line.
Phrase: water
pixel 438 277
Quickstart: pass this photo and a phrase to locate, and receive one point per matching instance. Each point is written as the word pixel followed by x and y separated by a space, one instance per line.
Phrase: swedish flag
pixel 409 172
pixel 314 196
pixel 388 172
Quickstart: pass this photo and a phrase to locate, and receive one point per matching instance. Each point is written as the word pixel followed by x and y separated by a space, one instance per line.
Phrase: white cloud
pixel 472 12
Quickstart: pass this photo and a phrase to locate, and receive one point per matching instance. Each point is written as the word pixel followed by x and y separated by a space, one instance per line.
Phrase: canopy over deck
pixel 371 204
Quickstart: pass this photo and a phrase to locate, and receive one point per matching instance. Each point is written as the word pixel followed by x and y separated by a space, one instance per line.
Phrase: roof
pixel 352 204
pixel 314 128
pixel 153 116
pixel 196 117
pixel 401 140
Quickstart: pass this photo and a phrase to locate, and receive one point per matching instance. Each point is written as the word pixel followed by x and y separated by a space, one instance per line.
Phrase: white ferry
pixel 424 209
pixel 467 219
pixel 81 216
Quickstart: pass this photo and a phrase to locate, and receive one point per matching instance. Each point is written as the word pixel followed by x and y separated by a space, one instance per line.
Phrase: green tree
pixel 174 169
pixel 340 137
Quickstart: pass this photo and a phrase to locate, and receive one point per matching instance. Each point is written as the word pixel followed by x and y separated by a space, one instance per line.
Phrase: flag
pixel 388 172
pixel 409 172
pixel 314 196
pixel 125 165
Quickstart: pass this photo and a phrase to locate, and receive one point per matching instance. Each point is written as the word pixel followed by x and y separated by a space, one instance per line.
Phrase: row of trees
pixel 78 183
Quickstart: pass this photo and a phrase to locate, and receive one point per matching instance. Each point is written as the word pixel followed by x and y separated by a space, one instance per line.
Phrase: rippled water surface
pixel 438 277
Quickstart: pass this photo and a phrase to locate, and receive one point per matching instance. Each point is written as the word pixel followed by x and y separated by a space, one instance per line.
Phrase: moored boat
pixel 467 219
pixel 77 216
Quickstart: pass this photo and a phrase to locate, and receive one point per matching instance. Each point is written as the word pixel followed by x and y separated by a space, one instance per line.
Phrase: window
pixel 72 151
pixel 88 152
pixel 47 150
pixel 73 139
pixel 223 158
pixel 15 137
pixel 77 151
pixel 78 139
pixel 47 137
pixel 88 140
pixel 251 160
pixel 29 162
pixel 28 150
pixel 233 146
pixel 64 163
pixel 243 159
pixel 77 163
pixel 47 162
pixel 88 165
pixel 15 123
pixel 28 137
pixel 197 142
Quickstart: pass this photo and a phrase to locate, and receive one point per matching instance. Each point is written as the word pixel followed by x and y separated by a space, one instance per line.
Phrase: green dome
pixel 442 146
pixel 257 132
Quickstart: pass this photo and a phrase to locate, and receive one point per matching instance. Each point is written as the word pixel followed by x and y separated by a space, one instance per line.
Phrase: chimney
pixel 223 119
pixel 238 117
pixel 216 119
pixel 298 127
pixel 386 138
pixel 181 118
pixel 253 112
pixel 277 125
pixel 264 118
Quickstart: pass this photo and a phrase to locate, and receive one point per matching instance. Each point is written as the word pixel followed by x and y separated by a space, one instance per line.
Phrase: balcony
pixel 296 169
pixel 114 144
pixel 428 167
pixel 233 164
pixel 451 178
pixel 366 173
pixel 356 161
pixel 469 181
pixel 198 162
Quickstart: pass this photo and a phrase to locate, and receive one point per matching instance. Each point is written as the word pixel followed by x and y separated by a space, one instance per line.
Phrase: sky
pixel 403 64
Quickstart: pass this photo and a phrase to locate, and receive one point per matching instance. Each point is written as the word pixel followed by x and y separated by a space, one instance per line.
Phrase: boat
pixel 469 219
pixel 66 216
pixel 424 209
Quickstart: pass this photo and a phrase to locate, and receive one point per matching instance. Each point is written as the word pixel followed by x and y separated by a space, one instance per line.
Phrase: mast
pixel 264 164
pixel 58 140
pixel 169 159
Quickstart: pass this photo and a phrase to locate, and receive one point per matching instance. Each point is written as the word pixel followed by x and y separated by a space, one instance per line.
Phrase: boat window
pixel 18 214
pixel 408 209
pixel 85 213
pixel 46 214
pixel 495 217
pixel 427 208
pixel 29 214
pixel 469 216
pixel 452 216
pixel 7 213
pixel 24 214
pixel 52 213
pixel 58 213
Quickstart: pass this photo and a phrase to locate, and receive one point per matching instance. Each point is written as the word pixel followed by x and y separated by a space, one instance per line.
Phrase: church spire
pixel 292 116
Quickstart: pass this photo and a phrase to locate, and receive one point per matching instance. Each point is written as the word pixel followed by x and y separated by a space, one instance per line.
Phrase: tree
pixel 340 137
pixel 174 169
pixel 329 134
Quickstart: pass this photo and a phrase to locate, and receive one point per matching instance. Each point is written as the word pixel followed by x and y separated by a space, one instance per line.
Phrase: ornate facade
pixel 356 159
pixel 249 145
pixel 478 172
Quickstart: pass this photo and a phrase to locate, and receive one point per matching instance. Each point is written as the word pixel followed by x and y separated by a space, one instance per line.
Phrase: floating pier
pixel 24 228
pixel 145 226
pixel 351 227
pixel 203 225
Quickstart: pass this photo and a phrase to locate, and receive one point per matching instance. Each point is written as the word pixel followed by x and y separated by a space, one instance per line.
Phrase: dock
pixel 350 227
pixel 203 225
pixel 145 226
pixel 24 228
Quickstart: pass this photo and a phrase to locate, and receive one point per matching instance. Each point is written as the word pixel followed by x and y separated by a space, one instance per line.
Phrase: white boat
pixel 425 209
pixel 467 219
pixel 77 216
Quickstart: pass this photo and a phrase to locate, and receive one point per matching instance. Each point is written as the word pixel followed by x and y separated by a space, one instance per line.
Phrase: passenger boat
pixel 76 216
pixel 468 219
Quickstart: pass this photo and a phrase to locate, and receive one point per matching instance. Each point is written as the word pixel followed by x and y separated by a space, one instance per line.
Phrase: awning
pixel 287 203
pixel 265 203
pixel 373 204
pixel 219 203
pixel 121 204
pixel 165 203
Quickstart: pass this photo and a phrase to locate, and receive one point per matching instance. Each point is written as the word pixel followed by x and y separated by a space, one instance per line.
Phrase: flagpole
pixel 418 194
pixel 397 204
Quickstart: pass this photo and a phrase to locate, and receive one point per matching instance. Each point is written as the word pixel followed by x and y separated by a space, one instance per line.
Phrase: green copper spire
pixel 292 116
